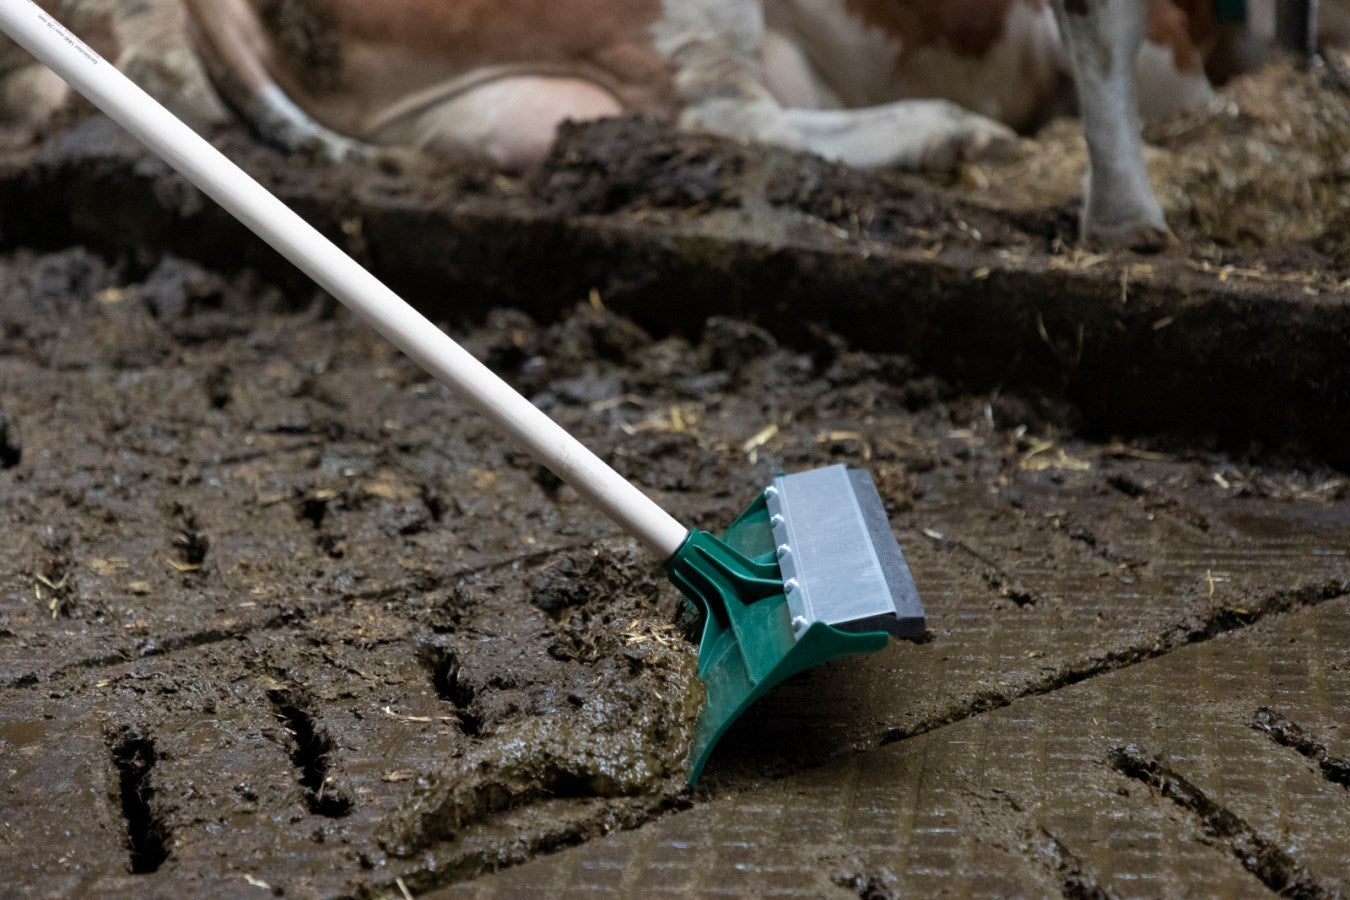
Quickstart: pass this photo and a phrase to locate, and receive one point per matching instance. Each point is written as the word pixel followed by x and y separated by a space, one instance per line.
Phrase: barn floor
pixel 277 614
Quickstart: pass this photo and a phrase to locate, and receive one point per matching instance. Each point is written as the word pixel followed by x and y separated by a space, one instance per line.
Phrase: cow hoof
pixel 969 138
pixel 1147 238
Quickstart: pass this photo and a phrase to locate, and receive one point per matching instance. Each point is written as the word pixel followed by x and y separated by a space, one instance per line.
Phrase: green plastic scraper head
pixel 810 571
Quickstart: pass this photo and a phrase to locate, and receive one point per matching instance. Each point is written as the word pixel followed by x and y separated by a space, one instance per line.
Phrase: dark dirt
pixel 671 230
pixel 276 611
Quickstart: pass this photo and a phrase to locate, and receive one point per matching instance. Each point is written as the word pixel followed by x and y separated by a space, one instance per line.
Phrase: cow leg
pixel 721 50
pixel 1102 38
pixel 912 134
pixel 226 35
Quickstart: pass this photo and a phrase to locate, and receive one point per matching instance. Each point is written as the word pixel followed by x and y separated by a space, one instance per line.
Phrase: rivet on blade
pixel 776 520
pixel 783 551
pixel 791 585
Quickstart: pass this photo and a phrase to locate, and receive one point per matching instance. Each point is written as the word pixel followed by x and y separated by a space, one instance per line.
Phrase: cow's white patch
pixel 790 77
pixel 810 54
pixel 714 47
pixel 1163 89
pixel 855 63
pixel 1010 82
pixel 736 25
pixel 914 134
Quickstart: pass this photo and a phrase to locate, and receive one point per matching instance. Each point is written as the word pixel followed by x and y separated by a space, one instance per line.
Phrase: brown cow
pixel 913 83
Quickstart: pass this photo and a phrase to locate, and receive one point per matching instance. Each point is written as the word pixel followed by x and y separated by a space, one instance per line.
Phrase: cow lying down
pixel 910 83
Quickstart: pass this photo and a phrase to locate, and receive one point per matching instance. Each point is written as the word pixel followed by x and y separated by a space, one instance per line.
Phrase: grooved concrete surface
pixel 266 585
pixel 1027 800
pixel 266 593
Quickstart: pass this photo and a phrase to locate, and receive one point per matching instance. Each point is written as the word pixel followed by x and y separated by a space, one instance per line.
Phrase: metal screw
pixel 784 551
pixel 791 585
pixel 776 519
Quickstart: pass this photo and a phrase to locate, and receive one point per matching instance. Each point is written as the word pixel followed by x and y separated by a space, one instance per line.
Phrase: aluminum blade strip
pixel 840 561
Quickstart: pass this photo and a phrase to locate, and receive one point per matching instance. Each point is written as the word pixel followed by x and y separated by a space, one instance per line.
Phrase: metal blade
pixel 841 563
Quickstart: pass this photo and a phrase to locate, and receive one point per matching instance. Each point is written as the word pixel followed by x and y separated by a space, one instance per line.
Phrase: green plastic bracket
pixel 748 644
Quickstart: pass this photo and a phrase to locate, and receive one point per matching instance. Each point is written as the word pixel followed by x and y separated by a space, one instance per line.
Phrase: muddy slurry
pixel 278 614
pixel 310 625
pixel 620 727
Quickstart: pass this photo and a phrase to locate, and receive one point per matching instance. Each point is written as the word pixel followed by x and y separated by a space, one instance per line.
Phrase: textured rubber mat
pixel 1165 774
